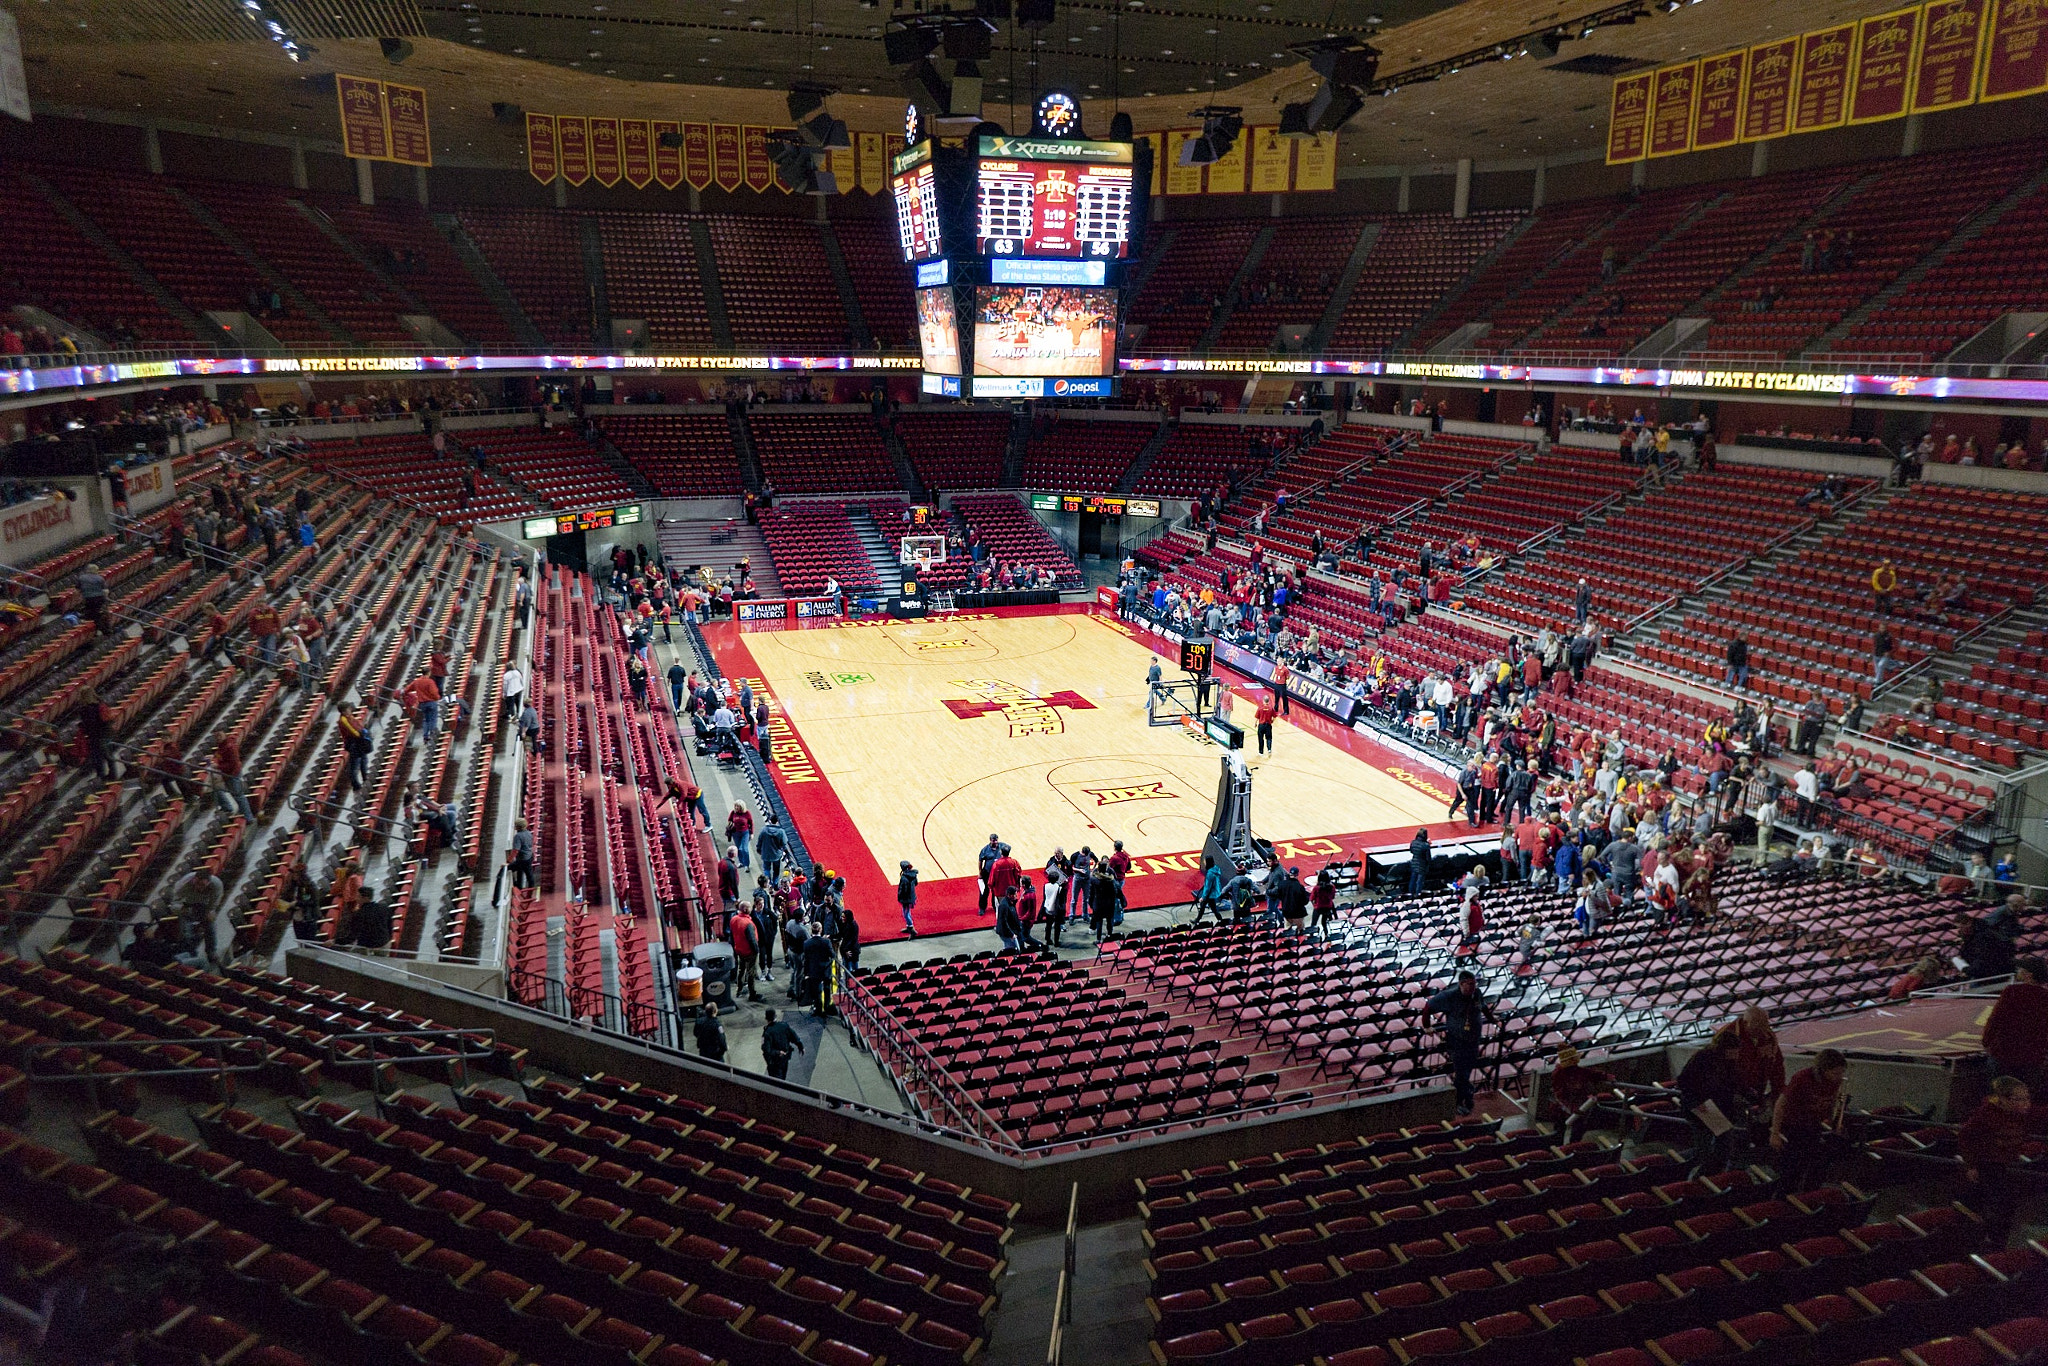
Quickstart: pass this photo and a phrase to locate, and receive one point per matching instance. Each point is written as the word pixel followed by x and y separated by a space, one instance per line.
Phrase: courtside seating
pixel 955 450
pixel 684 455
pixel 814 452
pixel 650 273
pixel 813 541
pixel 1014 536
pixel 538 253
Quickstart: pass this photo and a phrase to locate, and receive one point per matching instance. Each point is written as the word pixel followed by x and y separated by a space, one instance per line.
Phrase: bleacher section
pixel 955 450
pixel 71 277
pixel 818 452
pixel 1199 456
pixel 1297 273
pixel 1417 259
pixel 880 279
pixel 539 255
pixel 1551 236
pixel 1177 301
pixel 1082 456
pixel 406 469
pixel 779 290
pixel 811 542
pixel 1015 537
pixel 650 273
pixel 404 242
pixel 559 466
pixel 265 219
pixel 684 455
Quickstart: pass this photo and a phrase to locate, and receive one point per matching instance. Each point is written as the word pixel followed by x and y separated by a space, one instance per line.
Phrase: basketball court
pixel 917 739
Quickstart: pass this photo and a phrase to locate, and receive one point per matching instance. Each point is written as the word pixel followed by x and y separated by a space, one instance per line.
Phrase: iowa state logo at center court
pixel 1026 711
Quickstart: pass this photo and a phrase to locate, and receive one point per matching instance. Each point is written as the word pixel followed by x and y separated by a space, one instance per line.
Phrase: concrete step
pixel 712 544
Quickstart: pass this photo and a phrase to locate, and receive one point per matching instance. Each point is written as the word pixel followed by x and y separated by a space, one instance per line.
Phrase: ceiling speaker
pixel 395 50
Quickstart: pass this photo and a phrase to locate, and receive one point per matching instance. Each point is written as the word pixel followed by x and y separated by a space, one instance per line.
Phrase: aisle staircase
pixel 887 570
pixel 472 258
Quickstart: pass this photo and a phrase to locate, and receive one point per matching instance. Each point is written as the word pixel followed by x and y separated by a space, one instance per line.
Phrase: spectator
pixel 2016 1032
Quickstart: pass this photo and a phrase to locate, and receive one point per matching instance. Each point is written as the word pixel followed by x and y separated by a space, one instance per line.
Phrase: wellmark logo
pixel 1131 792
pixel 1027 712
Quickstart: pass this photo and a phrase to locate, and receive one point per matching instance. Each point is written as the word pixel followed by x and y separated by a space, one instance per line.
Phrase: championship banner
pixel 728 157
pixel 636 152
pixel 1823 99
pixel 697 157
pixel 1628 120
pixel 1717 118
pixel 1227 172
pixel 1181 179
pixel 572 137
pixel 1951 39
pixel 405 116
pixel 1882 74
pixel 1674 93
pixel 874 166
pixel 1315 163
pixel 2015 51
pixel 845 173
pixel 541 160
pixel 363 130
pixel 1767 98
pixel 666 136
pixel 604 150
pixel 1272 160
pixel 760 170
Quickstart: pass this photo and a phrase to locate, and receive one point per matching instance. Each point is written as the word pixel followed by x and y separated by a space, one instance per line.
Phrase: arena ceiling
pixel 205 62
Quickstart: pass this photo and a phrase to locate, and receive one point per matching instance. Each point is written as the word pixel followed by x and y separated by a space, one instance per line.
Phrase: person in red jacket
pixel 1268 709
pixel 1989 1144
pixel 227 764
pixel 2016 1033
pixel 746 949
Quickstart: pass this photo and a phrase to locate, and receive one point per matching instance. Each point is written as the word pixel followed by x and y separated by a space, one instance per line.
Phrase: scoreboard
pixel 1051 198
pixel 917 213
pixel 590 519
pixel 1102 504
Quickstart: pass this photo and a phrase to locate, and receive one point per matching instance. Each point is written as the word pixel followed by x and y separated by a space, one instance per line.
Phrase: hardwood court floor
pixel 917 739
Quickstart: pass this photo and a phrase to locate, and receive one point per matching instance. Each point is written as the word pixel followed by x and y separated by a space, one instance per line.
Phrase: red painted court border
pixel 949 905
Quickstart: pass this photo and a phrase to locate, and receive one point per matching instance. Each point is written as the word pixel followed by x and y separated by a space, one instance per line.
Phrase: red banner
pixel 1767 99
pixel 1882 74
pixel 2015 51
pixel 760 171
pixel 1717 121
pixel 668 153
pixel 1945 72
pixel 728 156
pixel 1628 119
pixel 636 159
pixel 363 131
pixel 572 137
pixel 540 147
pixel 892 144
pixel 1823 99
pixel 604 150
pixel 405 114
pixel 1673 95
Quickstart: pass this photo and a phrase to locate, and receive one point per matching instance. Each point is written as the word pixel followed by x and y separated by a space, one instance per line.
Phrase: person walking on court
pixel 985 860
pixel 1464 1013
pixel 1154 682
pixel 1268 709
pixel 779 1043
pixel 906 895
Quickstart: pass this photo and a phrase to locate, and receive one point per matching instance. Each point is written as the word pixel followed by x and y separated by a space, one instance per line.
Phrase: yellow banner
pixel 1272 161
pixel 1226 173
pixel 1181 179
pixel 843 170
pixel 874 170
pixel 1315 162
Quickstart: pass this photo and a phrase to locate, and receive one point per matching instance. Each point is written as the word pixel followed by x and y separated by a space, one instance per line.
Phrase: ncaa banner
pixel 1882 75
pixel 1823 84
pixel 1767 99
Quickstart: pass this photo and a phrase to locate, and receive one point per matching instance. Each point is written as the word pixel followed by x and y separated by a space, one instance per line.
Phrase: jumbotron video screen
pixel 1048 330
